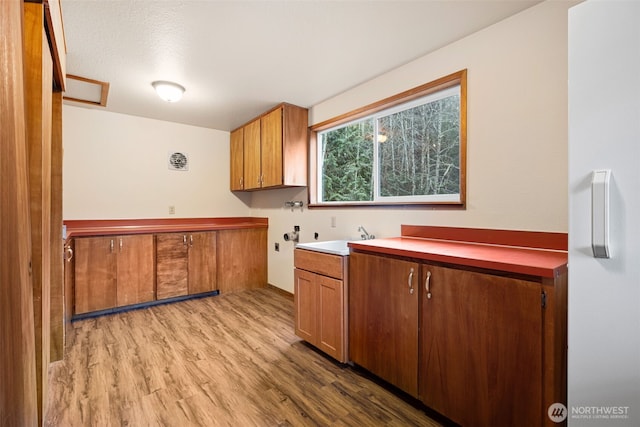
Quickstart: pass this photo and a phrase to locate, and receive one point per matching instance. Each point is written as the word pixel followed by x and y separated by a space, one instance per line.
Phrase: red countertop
pixel 110 227
pixel 512 259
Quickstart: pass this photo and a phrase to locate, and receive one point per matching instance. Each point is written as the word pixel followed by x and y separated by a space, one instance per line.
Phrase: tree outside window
pixel 411 152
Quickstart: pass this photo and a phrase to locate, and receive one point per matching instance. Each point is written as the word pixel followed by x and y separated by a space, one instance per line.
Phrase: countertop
pixel 512 259
pixel 110 227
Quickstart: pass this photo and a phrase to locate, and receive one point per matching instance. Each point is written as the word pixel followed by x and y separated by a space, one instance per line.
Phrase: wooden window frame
pixel 454 79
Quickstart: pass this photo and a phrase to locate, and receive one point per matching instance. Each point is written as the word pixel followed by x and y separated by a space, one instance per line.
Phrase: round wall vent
pixel 178 161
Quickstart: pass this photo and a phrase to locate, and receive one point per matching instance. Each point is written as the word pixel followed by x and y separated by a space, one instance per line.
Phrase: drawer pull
pixel 427 285
pixel 411 282
pixel 69 253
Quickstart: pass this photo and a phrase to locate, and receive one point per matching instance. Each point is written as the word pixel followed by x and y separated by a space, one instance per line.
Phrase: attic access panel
pixel 86 91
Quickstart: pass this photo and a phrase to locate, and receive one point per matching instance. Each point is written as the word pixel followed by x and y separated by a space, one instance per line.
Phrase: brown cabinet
pixel 242 259
pixel 202 262
pixel 236 179
pixel 273 149
pixel 321 286
pixel 383 318
pixel 186 263
pixel 172 265
pixel 481 347
pixel 252 156
pixel 136 270
pixel 113 271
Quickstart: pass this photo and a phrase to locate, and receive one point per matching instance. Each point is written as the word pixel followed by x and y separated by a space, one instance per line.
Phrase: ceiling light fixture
pixel 169 91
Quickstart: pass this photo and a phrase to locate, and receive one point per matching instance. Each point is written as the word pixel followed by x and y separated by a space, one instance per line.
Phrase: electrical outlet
pixel 172 210
pixel 333 222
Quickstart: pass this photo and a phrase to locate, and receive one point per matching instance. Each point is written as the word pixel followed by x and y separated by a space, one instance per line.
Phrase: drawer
pixel 321 263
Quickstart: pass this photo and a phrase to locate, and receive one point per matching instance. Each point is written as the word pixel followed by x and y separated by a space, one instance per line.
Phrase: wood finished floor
pixel 228 360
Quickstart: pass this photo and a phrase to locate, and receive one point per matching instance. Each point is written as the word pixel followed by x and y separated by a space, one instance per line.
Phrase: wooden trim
pixel 459 77
pixel 104 91
pixel 389 205
pixel 463 138
pixel 159 225
pixel 281 291
pixel 518 238
pixel 57 261
pixel 18 399
pixel 38 74
pixel 442 83
pixel 554 344
pixel 57 42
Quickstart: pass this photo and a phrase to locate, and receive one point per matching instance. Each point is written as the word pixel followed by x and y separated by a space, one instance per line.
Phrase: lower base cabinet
pixel 319 300
pixel 242 259
pixel 383 318
pixel 108 272
pixel 186 263
pixel 113 271
pixel 482 348
pixel 481 355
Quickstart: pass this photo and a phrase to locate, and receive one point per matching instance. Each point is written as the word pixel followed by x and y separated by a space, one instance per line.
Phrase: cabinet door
pixel 383 318
pixel 481 348
pixel 252 163
pixel 171 265
pixel 202 262
pixel 95 274
pixel 331 316
pixel 136 269
pixel 236 179
pixel 306 305
pixel 271 140
pixel 242 259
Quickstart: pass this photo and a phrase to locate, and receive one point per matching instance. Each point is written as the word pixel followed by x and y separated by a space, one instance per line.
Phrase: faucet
pixel 365 235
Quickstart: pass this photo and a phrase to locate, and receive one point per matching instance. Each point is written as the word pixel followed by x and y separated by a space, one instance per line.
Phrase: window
pixel 408 149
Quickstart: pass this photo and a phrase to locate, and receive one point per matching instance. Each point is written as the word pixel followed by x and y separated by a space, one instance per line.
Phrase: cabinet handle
pixel 427 285
pixel 411 282
pixel 111 245
pixel 184 240
pixel 69 252
pixel 241 182
pixel 121 245
pixel 191 240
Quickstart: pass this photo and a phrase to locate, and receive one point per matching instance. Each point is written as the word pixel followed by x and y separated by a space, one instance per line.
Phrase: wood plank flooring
pixel 227 360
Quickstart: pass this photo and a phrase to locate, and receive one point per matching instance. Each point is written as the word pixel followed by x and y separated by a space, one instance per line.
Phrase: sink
pixel 335 247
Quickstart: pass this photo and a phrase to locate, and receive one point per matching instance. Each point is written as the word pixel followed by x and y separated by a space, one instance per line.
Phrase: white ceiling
pixel 238 58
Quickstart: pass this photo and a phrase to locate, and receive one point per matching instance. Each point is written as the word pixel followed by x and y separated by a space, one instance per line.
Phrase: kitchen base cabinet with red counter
pixel 186 263
pixel 131 263
pixel 321 286
pixel 113 271
pixel 477 330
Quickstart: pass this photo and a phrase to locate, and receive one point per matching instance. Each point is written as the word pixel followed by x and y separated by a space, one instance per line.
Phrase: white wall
pixel 604 133
pixel 517 138
pixel 115 166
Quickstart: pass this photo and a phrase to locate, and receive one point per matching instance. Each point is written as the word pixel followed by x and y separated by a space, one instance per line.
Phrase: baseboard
pixel 280 291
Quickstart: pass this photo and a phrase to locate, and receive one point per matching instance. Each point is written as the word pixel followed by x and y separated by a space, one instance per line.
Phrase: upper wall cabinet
pixel 271 150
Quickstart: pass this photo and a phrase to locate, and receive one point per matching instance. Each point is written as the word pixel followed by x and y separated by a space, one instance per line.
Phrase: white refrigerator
pixel 604 293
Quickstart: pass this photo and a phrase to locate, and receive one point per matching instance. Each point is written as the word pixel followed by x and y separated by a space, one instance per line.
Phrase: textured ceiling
pixel 239 58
